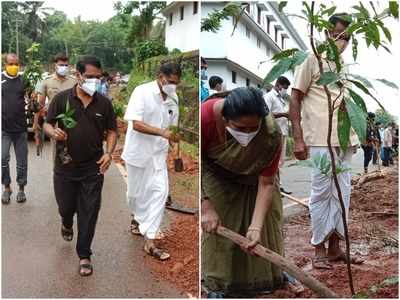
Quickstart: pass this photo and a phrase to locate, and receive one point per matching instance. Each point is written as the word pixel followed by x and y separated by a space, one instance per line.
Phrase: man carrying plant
pixel 14 128
pixel 84 117
pixel 152 109
pixel 309 115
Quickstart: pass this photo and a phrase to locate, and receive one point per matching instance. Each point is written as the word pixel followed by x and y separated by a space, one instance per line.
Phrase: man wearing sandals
pixel 78 181
pixel 152 109
pixel 309 115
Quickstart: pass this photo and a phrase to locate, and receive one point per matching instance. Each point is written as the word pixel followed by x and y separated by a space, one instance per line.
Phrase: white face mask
pixel 243 138
pixel 90 86
pixel 169 89
pixel 62 70
pixel 283 92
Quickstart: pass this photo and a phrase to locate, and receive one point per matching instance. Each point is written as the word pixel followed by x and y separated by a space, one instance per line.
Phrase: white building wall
pixel 182 34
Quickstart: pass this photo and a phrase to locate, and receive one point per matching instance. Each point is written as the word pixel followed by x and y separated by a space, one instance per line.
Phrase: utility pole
pixel 16 36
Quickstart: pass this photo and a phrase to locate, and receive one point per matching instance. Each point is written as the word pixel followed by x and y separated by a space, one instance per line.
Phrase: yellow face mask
pixel 12 70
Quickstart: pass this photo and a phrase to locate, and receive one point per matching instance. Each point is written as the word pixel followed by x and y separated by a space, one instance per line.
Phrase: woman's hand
pixel 209 217
pixel 254 235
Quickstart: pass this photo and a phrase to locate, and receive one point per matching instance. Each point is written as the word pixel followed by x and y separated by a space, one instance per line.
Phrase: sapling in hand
pixel 68 121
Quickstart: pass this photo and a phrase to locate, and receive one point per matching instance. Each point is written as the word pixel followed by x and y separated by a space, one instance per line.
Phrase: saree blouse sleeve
pixel 273 167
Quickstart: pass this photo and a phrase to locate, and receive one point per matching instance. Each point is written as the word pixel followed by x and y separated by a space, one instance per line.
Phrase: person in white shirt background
pixel 152 109
pixel 275 100
pixel 216 85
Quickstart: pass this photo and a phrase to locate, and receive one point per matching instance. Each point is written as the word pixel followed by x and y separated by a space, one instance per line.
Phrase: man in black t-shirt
pixel 80 162
pixel 14 128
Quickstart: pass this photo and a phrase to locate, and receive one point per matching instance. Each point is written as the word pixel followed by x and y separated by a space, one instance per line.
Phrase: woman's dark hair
pixel 170 68
pixel 244 101
pixel 87 60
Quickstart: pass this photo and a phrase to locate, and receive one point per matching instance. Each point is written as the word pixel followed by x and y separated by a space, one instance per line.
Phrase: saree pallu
pixel 230 179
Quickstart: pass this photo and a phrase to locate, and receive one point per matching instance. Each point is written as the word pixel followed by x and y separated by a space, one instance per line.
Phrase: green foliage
pixel 388 83
pixel 333 54
pixel 384 117
pixel 119 109
pixel 149 48
pixel 285 53
pixel 212 22
pixel 287 62
pixel 394 9
pixel 354 48
pixel 282 5
pixel 323 163
pixel 343 127
pixel 358 119
pixel 33 69
pixel 358 100
pixel 67 117
pixel 327 78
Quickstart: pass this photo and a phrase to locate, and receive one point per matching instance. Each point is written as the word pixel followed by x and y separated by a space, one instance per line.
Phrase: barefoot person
pixel 13 128
pixel 152 109
pixel 78 183
pixel 309 115
pixel 241 148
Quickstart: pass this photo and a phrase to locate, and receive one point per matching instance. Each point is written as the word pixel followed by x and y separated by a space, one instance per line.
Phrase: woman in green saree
pixel 240 156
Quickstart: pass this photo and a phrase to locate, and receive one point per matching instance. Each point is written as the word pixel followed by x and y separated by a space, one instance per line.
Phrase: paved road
pixel 298 179
pixel 38 263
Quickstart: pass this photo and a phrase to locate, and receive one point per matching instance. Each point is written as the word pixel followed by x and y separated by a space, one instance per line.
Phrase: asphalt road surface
pixel 38 263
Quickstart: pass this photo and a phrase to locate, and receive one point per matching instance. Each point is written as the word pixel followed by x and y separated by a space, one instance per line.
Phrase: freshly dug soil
pixel 371 238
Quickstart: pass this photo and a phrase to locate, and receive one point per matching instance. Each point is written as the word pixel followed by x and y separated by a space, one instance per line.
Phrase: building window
pixel 195 7
pixel 248 32
pixel 182 12
pixel 233 77
pixel 276 35
pixel 283 42
pixel 258 42
pixel 259 86
pixel 170 18
pixel 258 15
pixel 247 82
pixel 268 25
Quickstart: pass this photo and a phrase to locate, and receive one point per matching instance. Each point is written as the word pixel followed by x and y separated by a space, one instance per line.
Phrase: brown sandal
pixel 158 253
pixel 321 262
pixel 135 227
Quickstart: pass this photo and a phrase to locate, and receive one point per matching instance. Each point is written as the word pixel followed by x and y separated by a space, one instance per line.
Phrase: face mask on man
pixel 169 89
pixel 91 85
pixel 243 138
pixel 12 70
pixel 62 70
pixel 283 92
pixel 204 74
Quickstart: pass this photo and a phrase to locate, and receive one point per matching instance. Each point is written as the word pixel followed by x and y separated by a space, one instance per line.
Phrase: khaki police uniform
pixel 52 85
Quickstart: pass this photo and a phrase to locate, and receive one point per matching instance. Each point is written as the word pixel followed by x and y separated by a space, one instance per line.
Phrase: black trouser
pixel 80 194
pixel 20 142
pixel 375 155
pixel 368 151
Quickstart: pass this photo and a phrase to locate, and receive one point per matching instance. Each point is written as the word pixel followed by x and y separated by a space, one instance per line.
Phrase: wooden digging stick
pixel 294 199
pixel 283 263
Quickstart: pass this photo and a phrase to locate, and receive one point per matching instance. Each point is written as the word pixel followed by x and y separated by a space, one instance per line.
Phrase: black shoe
pixel 21 197
pixel 67 233
pixel 6 197
pixel 283 191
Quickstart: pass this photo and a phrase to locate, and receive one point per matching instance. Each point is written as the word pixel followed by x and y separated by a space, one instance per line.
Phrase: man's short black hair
pixel 203 61
pixel 60 57
pixel 342 18
pixel 244 101
pixel 214 80
pixel 170 68
pixel 282 80
pixel 87 60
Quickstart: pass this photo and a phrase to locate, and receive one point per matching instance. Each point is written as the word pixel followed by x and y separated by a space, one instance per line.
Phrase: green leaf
pixel 372 35
pixel 394 9
pixel 365 90
pixel 321 48
pixel 386 31
pixel 353 27
pixel 328 11
pixel 327 78
pixel 60 116
pixel 390 281
pixel 67 105
pixel 298 58
pixel 364 80
pixel 358 100
pixel 285 53
pixel 70 123
pixel 277 70
pixel 388 83
pixel 354 48
pixel 282 5
pixel 333 54
pixel 70 113
pixel 358 119
pixel 343 128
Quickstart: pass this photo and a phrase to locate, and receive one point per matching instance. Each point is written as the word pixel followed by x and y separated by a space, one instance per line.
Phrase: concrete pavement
pixel 38 263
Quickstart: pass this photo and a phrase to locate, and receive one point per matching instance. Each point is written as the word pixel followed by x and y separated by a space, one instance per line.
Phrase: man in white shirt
pixel 275 100
pixel 216 85
pixel 387 145
pixel 152 109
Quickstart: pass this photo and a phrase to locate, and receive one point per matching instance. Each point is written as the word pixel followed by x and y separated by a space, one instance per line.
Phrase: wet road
pixel 38 263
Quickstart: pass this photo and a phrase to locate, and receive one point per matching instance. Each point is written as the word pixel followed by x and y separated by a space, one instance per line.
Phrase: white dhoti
pixel 147 194
pixel 325 209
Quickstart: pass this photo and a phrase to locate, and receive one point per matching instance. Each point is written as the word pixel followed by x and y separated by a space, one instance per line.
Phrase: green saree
pixel 229 178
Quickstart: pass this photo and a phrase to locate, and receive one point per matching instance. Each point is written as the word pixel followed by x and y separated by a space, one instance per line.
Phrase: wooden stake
pixel 299 201
pixel 283 263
